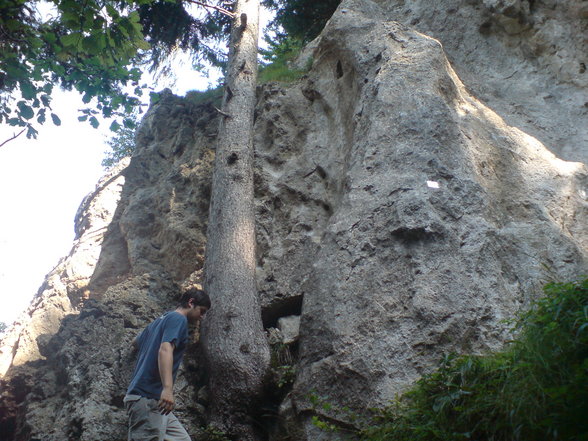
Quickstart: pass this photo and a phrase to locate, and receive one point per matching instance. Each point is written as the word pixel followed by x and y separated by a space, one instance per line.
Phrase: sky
pixel 43 182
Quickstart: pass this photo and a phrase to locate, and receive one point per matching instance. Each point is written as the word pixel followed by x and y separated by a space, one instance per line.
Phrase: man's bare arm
pixel 165 361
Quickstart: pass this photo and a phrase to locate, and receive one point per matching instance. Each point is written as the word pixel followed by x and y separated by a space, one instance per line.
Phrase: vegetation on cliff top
pixel 278 58
pixel 97 48
pixel 535 389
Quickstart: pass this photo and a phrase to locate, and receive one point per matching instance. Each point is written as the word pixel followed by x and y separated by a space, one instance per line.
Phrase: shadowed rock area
pixel 400 214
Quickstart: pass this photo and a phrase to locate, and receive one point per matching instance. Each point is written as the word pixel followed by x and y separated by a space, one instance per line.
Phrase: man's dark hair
pixel 199 296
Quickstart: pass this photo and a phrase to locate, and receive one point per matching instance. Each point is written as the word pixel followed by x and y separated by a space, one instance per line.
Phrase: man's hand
pixel 166 401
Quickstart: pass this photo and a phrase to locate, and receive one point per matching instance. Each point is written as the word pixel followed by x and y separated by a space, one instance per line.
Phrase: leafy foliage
pixel 3 327
pixel 536 389
pixel 94 47
pixel 168 27
pixel 301 19
pixel 286 376
pixel 279 56
pixel 87 47
pixel 97 46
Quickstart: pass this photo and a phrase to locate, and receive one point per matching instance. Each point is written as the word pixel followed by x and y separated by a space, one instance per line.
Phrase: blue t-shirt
pixel 171 327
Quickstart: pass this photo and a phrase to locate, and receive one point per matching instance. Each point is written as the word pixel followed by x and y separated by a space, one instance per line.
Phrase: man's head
pixel 196 302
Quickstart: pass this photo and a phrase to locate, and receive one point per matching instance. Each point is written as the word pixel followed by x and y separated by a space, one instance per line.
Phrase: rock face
pixel 526 59
pixel 140 239
pixel 443 216
pixel 397 214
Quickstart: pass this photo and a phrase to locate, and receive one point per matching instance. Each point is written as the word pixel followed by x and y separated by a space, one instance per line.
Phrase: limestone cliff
pixel 400 214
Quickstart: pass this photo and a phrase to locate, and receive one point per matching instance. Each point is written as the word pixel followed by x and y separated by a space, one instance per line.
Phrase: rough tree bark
pixel 235 346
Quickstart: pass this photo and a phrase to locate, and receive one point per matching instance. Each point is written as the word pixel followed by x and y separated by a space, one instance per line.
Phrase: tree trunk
pixel 236 349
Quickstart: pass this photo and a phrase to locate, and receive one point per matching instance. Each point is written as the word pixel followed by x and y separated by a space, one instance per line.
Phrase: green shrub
pixel 534 390
pixel 212 95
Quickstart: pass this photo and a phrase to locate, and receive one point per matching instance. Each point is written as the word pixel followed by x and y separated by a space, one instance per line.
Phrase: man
pixel 150 398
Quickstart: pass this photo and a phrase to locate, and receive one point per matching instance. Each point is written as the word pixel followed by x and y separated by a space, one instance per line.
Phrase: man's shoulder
pixel 174 318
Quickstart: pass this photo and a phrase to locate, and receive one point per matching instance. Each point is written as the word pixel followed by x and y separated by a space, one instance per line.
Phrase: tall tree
pixel 233 337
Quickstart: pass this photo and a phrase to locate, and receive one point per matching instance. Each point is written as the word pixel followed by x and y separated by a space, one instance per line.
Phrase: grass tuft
pixel 279 60
pixel 213 96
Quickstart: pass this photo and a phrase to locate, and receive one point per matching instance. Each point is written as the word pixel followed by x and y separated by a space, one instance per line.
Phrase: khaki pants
pixel 146 423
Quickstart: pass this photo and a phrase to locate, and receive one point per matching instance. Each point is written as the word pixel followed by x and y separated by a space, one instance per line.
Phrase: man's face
pixel 196 313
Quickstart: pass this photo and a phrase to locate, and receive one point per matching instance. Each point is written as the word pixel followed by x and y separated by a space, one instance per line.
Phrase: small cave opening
pixel 232 158
pixel 339 70
pixel 281 308
pixel 283 366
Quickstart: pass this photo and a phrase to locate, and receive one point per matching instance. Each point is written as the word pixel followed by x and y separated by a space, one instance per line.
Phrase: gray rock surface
pixel 525 59
pixel 443 218
pixel 290 328
pixel 140 240
pixel 397 213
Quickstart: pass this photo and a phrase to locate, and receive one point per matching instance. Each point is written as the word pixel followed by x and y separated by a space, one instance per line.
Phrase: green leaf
pixel 12 25
pixel 94 122
pixel 26 111
pixel 50 37
pixel 134 17
pixel 142 44
pixel 14 69
pixel 31 132
pixel 94 44
pixel 55 119
pixel 99 22
pixel 59 69
pixel 28 90
pixel 115 126
pixel 88 19
pixel 112 12
pixel 128 27
pixel 129 123
pixel 37 74
pixel 83 118
pixel 71 40
pixel 154 97
pixel 36 42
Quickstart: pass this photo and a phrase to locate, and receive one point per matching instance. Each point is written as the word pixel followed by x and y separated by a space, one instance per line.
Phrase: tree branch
pixel 14 137
pixel 216 8
pixel 221 112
